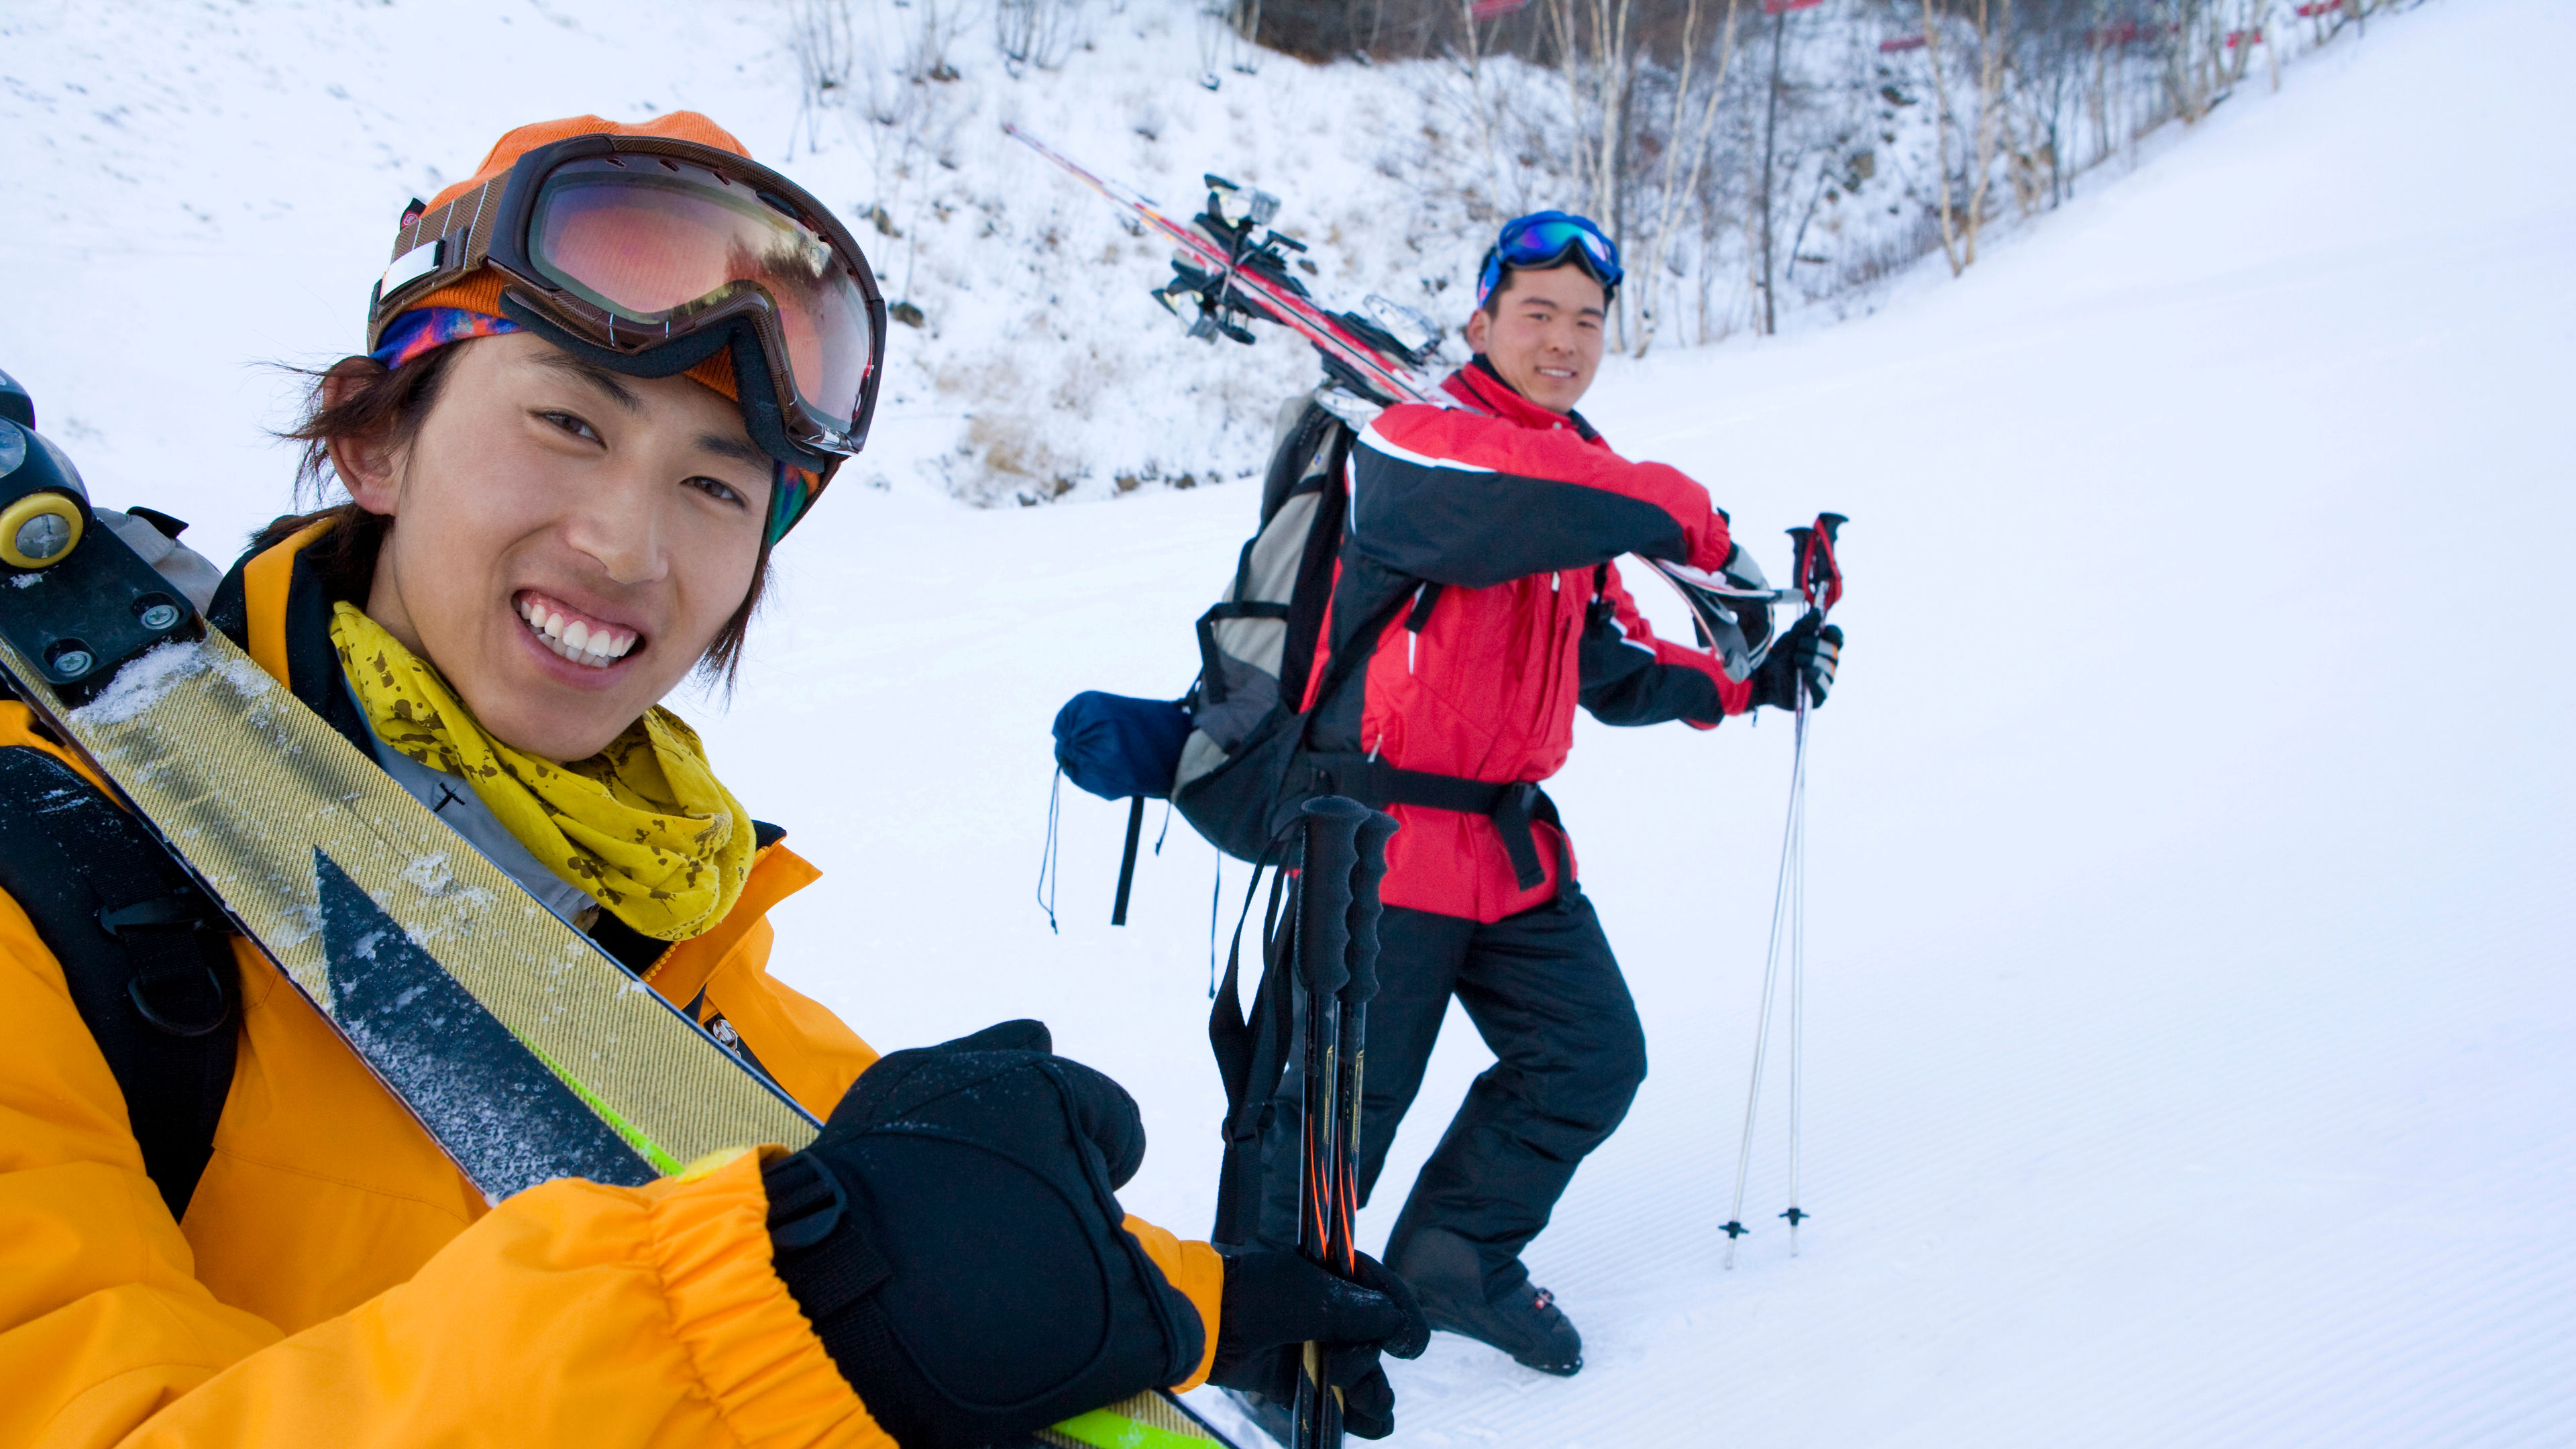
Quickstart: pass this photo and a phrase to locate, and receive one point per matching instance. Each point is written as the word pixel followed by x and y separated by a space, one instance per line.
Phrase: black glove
pixel 1276 1302
pixel 953 1238
pixel 1805 652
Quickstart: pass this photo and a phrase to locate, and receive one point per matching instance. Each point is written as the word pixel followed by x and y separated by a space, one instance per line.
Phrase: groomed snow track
pixel 2190 1011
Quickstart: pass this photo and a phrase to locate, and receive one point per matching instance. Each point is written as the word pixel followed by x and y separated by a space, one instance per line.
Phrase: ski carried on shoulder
pixel 1379 356
pixel 526 1051
pixel 1373 359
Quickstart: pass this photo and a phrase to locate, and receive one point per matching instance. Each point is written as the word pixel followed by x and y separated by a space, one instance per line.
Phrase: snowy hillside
pixel 2190 1002
pixel 249 161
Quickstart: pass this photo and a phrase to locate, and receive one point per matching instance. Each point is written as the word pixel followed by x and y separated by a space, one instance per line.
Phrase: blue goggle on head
pixel 1545 239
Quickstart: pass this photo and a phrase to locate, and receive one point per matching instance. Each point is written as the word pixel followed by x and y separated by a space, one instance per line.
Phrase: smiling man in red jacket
pixel 1475 572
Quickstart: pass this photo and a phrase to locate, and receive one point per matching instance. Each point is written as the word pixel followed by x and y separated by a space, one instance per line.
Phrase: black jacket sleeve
pixel 1460 498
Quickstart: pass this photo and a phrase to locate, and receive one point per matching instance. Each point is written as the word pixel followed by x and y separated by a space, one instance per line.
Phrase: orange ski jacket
pixel 337 1281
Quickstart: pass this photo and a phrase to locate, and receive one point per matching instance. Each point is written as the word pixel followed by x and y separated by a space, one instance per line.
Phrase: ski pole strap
pixel 1820 574
pixel 1127 860
pixel 1252 1052
pixel 1515 806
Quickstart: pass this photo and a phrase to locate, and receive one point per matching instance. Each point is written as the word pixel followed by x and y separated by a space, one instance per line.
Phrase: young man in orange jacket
pixel 584 418
pixel 1481 533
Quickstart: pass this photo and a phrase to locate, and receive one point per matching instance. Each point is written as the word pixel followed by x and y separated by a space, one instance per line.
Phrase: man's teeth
pixel 576 640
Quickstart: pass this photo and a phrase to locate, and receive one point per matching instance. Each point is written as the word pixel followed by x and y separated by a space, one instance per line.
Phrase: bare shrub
pixel 1036 32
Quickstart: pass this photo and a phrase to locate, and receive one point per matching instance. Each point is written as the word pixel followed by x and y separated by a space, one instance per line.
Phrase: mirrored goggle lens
pixel 658 241
pixel 1546 241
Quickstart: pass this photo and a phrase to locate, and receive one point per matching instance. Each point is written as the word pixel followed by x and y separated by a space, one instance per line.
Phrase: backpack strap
pixel 1513 805
pixel 1252 1051
pixel 144 954
pixel 1314 587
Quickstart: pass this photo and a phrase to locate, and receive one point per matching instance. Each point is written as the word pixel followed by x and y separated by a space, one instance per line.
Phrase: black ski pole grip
pixel 1324 892
pixel 1367 877
pixel 1832 524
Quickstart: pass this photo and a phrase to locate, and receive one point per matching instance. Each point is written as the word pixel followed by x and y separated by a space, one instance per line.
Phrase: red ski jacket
pixel 1478 549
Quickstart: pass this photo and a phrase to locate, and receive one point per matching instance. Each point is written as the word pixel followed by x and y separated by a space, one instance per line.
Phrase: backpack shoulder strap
pixel 1315 568
pixel 143 952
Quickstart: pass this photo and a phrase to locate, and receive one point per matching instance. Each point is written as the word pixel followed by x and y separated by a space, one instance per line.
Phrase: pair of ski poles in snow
pixel 1820 584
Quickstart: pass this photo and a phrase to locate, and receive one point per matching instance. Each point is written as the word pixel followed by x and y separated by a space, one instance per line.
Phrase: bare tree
pixel 1941 139
pixel 1227 30
pixel 1989 116
pixel 819 34
pixel 1694 140
pixel 1599 54
pixel 1770 185
pixel 1475 67
pixel 1035 32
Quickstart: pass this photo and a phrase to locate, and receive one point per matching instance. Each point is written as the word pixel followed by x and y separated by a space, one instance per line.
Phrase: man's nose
pixel 616 523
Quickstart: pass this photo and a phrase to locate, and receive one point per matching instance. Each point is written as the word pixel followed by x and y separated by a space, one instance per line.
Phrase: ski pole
pixel 1794 863
pixel 1820 580
pixel 1819 583
pixel 1332 826
pixel 1734 1227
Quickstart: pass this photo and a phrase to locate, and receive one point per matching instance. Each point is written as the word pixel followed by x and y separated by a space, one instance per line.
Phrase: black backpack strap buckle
pixel 175 988
pixel 180 908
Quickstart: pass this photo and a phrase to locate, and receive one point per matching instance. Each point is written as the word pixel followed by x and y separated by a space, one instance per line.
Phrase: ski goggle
pixel 1545 239
pixel 647 256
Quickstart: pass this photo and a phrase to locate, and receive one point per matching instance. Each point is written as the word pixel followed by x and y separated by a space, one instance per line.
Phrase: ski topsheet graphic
pixel 526 1052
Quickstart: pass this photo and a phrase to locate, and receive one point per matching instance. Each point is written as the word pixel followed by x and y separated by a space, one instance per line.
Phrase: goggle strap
pixel 461 232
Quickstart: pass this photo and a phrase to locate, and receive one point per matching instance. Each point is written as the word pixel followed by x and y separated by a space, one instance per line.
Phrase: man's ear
pixel 1477 323
pixel 366 466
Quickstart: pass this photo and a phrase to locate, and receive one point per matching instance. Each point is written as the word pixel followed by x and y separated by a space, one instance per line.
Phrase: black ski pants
pixel 1545 993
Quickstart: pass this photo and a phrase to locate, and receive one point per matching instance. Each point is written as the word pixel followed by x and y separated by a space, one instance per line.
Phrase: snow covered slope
pixel 2190 1000
pixel 248 161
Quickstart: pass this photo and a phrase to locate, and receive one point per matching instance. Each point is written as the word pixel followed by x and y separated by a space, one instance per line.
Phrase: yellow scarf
pixel 644 827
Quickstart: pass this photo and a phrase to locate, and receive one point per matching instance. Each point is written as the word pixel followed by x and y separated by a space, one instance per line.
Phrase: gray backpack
pixel 1257 645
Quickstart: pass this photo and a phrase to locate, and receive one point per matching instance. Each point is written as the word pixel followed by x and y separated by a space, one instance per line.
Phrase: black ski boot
pixel 1519 1319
